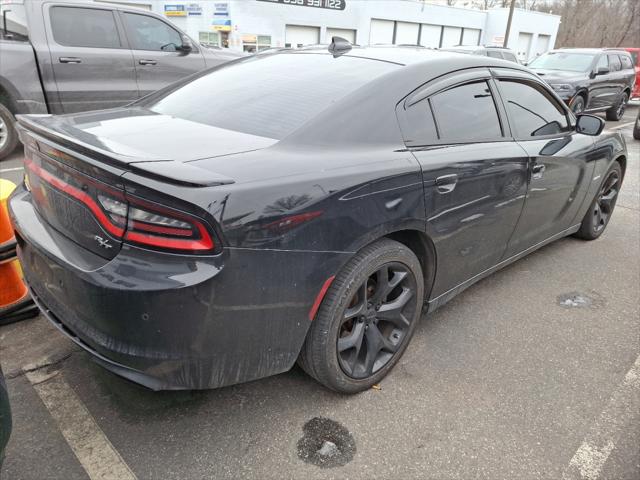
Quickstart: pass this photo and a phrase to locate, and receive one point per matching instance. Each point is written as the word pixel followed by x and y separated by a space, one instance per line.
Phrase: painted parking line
pixel 88 442
pixel 588 461
pixel 7 170
pixel 623 125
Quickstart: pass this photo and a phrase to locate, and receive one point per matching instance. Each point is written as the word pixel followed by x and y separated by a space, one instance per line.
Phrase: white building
pixel 252 25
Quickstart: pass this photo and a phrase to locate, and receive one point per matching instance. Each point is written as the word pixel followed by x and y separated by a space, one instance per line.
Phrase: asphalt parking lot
pixel 532 373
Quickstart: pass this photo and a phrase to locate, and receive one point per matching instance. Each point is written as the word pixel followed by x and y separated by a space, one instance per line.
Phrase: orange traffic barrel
pixel 15 301
pixel 7 239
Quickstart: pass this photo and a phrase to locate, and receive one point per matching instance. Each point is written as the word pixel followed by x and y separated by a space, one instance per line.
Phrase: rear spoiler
pixel 166 170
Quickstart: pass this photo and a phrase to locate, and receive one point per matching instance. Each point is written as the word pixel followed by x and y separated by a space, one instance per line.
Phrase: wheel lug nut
pixel 396 336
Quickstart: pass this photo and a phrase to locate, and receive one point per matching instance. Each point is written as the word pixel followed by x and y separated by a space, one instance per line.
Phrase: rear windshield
pixel 13 21
pixel 570 62
pixel 270 95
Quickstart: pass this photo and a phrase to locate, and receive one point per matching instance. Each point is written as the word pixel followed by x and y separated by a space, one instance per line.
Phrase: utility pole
pixel 506 35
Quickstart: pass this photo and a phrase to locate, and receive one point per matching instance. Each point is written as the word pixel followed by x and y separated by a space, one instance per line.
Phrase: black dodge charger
pixel 298 206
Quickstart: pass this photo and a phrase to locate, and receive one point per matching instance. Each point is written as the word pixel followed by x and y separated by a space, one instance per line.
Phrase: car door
pixel 474 174
pixel 599 86
pixel 92 64
pixel 561 161
pixel 617 79
pixel 155 45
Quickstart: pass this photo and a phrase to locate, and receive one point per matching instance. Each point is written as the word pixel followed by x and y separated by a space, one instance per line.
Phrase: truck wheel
pixel 616 112
pixel 8 134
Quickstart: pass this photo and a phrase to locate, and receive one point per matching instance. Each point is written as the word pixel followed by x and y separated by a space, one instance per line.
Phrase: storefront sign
pixel 221 25
pixel 175 11
pixel 330 4
pixel 221 9
pixel 194 9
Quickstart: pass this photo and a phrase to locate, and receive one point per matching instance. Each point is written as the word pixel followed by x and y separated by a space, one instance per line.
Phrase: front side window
pixel 614 63
pixel 603 62
pixel 493 54
pixel 532 110
pixel 148 33
pixel 510 56
pixel 84 27
pixel 466 113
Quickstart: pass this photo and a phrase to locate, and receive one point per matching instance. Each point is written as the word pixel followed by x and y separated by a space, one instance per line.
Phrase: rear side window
pixel 148 33
pixel 466 113
pixel 268 95
pixel 532 110
pixel 614 63
pixel 84 27
pixel 634 57
pixel 626 62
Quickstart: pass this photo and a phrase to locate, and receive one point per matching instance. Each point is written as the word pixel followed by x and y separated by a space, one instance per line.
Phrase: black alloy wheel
pixel 597 217
pixel 366 319
pixel 616 112
pixel 376 320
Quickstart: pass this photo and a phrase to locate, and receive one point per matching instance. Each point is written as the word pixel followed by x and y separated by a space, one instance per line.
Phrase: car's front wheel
pixel 8 134
pixel 366 319
pixel 597 217
pixel 616 112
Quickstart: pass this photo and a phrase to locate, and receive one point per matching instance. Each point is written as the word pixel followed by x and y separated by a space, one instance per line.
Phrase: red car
pixel 635 54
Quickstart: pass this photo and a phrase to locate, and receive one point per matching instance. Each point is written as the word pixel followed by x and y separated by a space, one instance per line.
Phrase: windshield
pixel 268 95
pixel 571 62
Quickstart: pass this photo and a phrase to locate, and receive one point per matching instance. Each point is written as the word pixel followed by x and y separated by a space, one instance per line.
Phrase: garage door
pixel 451 36
pixel 297 36
pixel 341 32
pixel 430 36
pixel 471 36
pixel 407 33
pixel 381 31
pixel 524 46
pixel 542 45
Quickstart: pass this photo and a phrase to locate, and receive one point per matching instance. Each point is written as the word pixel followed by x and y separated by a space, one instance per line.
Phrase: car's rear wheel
pixel 597 217
pixel 616 112
pixel 577 104
pixel 636 128
pixel 366 319
pixel 8 134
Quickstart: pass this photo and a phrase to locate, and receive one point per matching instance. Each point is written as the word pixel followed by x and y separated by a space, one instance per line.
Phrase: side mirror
pixel 602 71
pixel 589 125
pixel 186 46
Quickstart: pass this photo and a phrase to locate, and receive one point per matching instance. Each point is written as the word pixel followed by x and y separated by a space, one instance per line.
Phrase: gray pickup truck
pixel 70 56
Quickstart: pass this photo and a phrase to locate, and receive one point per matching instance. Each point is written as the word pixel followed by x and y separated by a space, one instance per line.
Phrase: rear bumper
pixel 172 321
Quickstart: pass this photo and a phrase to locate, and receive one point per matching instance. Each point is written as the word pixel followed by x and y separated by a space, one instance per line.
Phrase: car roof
pixel 588 50
pixel 403 55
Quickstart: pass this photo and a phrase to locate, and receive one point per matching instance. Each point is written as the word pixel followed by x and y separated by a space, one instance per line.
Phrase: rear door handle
pixel 538 170
pixel 147 62
pixel 446 183
pixel 70 60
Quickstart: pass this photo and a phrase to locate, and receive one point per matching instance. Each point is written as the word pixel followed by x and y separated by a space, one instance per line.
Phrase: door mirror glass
pixel 602 70
pixel 186 46
pixel 589 125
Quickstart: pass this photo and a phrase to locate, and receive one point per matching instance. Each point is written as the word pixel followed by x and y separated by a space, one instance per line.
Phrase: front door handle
pixel 147 62
pixel 446 183
pixel 538 170
pixel 70 60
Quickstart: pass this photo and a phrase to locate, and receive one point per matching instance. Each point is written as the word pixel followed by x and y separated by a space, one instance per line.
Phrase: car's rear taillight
pixel 134 220
pixel 157 226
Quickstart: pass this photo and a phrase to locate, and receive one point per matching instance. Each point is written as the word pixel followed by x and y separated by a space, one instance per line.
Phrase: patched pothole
pixel 580 300
pixel 326 443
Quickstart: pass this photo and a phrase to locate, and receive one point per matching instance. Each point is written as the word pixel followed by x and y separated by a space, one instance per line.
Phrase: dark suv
pixel 589 79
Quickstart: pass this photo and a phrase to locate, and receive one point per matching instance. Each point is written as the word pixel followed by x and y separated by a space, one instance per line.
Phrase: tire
pixel 597 218
pixel 577 104
pixel 636 128
pixel 8 134
pixel 352 312
pixel 616 112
